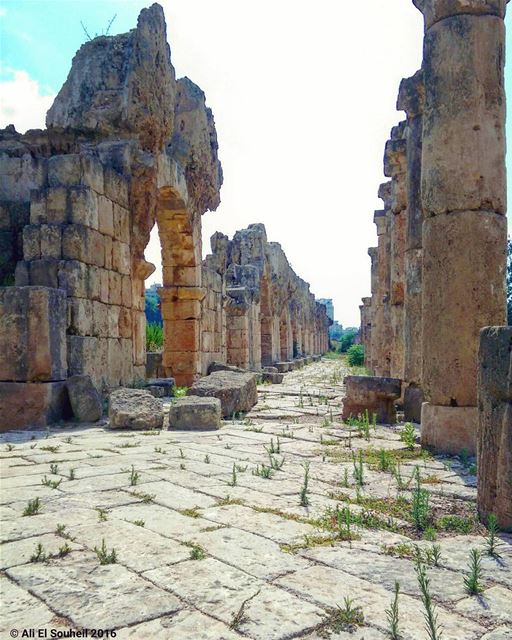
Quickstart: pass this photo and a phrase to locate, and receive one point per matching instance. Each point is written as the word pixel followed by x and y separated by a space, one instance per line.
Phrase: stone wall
pixel 438 273
pixel 127 146
pixel 270 314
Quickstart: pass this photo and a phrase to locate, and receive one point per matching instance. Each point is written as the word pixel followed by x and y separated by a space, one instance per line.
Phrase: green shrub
pixel 346 341
pixel 154 337
pixel 355 355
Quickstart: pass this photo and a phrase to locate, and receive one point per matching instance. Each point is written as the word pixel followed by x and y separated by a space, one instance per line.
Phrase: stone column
pixel 366 331
pixel 381 333
pixel 182 293
pixel 286 337
pixel 370 354
pixel 411 99
pixel 463 201
pixel 296 337
pixel 395 167
pixel 238 325
pixel 494 448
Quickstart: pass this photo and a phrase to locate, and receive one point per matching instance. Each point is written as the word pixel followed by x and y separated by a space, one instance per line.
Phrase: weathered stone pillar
pixel 298 338
pixel 395 167
pixel 366 331
pixel 381 330
pixel 463 200
pixel 182 293
pixel 411 99
pixel 33 363
pixel 286 339
pixel 494 448
pixel 370 354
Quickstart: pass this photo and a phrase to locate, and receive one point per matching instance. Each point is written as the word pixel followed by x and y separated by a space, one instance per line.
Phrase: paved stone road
pixel 201 554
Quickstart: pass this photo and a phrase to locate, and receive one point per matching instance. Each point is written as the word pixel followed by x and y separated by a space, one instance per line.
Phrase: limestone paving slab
pixel 328 587
pixel 92 595
pixel 161 520
pixel 267 525
pixel 220 590
pixel 20 527
pixel 19 609
pixel 24 494
pixel 455 555
pixel 21 551
pixel 384 570
pixel 183 624
pixel 500 633
pixel 105 482
pixel 176 497
pixel 494 605
pixel 253 554
pixel 137 548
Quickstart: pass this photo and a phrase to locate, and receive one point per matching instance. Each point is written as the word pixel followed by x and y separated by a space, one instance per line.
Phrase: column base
pixel 449 429
pixel 33 404
pixel 413 399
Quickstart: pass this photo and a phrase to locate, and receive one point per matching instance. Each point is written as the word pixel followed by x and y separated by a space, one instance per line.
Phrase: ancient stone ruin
pixel 438 272
pixel 269 316
pixel 128 146
pixel 303 508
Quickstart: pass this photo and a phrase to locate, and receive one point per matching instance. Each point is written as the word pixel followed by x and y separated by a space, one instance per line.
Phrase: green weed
pixel 104 556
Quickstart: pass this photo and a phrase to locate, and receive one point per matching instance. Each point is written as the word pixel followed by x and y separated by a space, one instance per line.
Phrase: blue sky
pixel 303 96
pixel 42 36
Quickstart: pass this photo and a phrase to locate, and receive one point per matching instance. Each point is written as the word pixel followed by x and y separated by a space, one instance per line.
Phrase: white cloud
pixel 22 102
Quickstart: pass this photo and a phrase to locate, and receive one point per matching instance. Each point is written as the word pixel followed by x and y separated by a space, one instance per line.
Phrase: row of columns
pixel 438 271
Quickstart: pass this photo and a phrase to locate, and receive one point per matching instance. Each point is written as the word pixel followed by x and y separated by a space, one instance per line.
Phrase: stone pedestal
pixel 372 394
pixel 448 429
pixel 33 404
pixel 413 400
pixel 154 368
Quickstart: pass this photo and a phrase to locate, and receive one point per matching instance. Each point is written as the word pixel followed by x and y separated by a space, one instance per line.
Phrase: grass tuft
pixel 33 507
pixel 104 556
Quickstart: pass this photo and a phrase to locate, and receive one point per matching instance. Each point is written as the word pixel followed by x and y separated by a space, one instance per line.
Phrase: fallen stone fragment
pixel 84 398
pixel 166 384
pixel 195 413
pixel 236 391
pixel 155 391
pixel 134 409
pixel 220 366
pixel 273 378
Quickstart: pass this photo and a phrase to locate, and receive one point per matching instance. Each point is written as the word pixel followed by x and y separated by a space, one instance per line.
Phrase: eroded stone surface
pixel 134 409
pixel 194 412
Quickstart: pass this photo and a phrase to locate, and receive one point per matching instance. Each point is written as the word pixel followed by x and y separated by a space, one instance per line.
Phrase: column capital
pixel 436 10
